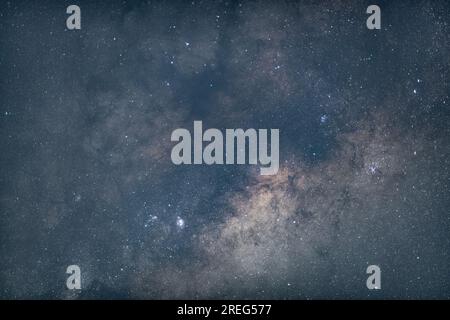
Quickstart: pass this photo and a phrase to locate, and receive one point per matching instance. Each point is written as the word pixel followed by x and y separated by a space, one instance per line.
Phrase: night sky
pixel 86 176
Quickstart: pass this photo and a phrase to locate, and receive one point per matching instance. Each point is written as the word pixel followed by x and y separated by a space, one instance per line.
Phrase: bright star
pixel 373 167
pixel 180 223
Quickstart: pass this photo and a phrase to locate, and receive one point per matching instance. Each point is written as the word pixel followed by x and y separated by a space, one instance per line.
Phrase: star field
pixel 86 176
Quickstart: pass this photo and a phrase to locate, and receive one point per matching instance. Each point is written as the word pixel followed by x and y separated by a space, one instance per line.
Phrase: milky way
pixel 86 176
